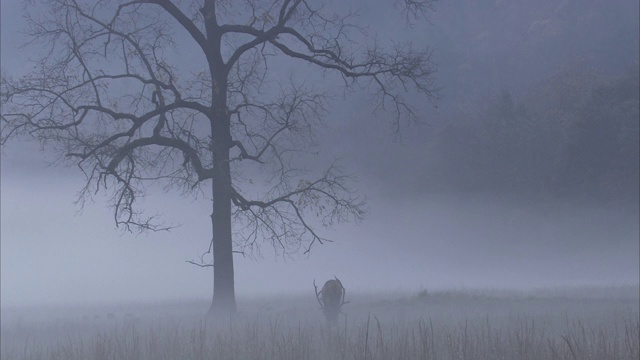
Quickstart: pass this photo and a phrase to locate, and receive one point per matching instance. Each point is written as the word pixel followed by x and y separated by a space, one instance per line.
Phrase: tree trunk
pixel 224 298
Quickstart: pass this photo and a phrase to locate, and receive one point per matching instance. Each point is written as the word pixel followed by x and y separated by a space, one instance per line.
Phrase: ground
pixel 568 323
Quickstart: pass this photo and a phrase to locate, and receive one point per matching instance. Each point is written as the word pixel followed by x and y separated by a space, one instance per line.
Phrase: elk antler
pixel 318 294
pixel 344 292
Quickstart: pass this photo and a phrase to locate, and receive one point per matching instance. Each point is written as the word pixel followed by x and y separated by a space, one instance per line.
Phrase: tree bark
pixel 223 275
pixel 224 300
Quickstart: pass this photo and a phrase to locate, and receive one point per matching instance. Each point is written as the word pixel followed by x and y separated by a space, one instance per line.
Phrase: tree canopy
pixel 183 93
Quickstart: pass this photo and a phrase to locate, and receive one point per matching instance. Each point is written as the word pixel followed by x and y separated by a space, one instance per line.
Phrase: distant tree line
pixel 564 128
pixel 574 136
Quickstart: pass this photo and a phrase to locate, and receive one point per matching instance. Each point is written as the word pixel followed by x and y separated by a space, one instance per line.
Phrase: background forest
pixel 545 109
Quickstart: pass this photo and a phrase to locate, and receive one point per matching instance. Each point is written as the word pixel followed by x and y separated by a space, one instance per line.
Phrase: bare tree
pixel 116 93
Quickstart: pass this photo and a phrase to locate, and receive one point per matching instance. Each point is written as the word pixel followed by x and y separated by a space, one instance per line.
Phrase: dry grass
pixel 439 325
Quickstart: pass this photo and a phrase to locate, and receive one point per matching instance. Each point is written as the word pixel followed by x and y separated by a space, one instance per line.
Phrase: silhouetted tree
pixel 119 91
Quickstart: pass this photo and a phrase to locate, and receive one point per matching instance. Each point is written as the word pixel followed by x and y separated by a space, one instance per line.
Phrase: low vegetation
pixel 586 323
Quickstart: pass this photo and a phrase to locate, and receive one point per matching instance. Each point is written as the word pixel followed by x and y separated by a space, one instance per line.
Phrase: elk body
pixel 331 299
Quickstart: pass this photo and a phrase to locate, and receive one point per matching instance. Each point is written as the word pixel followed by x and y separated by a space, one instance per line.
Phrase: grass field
pixel 572 323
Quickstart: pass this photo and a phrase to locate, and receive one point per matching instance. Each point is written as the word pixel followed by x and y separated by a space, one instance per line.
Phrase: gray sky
pixel 52 253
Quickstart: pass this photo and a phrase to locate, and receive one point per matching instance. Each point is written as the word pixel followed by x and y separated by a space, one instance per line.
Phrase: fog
pixel 460 199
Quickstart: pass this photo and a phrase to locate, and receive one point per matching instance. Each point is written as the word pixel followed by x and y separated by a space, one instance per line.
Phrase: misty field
pixel 579 323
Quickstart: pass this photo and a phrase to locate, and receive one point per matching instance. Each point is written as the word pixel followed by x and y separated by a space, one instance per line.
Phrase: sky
pixel 53 252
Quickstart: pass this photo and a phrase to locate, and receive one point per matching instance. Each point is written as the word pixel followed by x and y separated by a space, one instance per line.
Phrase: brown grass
pixel 451 325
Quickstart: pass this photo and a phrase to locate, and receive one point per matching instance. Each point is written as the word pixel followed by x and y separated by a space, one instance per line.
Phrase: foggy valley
pixel 468 170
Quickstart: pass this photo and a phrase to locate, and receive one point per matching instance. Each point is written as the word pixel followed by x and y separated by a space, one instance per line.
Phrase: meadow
pixel 563 323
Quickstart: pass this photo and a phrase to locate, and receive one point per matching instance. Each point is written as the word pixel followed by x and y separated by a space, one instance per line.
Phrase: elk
pixel 331 299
